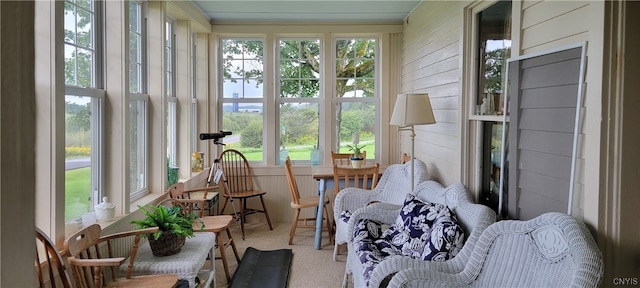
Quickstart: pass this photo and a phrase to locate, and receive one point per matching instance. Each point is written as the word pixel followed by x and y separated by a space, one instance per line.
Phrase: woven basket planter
pixel 167 244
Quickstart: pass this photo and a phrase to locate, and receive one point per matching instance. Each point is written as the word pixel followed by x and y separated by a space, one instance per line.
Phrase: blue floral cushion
pixel 426 231
pixel 345 216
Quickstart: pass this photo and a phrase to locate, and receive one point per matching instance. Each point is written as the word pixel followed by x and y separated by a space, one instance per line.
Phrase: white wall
pixel 433 62
pixel 17 144
pixel 607 172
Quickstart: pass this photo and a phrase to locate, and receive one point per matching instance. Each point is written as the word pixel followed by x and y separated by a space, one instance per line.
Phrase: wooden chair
pixel 300 203
pixel 365 177
pixel 85 250
pixel 216 224
pixel 343 159
pixel 239 185
pixel 56 273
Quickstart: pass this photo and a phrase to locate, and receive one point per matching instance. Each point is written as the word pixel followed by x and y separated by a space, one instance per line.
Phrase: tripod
pixel 215 174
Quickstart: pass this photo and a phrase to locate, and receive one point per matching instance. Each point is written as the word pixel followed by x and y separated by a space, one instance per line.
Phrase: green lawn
pixel 78 181
pixel 77 191
pixel 304 152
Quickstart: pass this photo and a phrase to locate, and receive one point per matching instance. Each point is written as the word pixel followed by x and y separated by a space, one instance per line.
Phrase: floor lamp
pixel 411 110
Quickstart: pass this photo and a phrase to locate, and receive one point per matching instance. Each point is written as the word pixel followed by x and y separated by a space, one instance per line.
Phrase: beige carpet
pixel 310 267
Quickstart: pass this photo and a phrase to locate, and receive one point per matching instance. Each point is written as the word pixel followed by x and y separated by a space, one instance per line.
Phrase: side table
pixel 212 199
pixel 187 264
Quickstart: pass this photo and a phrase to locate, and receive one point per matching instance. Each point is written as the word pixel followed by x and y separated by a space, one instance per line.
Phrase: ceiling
pixel 356 11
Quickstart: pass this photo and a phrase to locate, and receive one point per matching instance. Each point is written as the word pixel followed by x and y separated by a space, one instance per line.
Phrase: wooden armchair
pixel 93 263
pixel 55 271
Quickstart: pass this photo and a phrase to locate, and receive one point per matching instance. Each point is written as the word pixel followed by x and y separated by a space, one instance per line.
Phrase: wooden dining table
pixel 324 176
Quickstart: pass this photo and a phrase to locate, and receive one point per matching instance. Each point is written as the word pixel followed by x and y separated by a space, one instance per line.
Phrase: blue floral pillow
pixel 425 230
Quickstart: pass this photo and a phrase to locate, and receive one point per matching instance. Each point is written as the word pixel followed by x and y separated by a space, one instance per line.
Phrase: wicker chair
pixel 474 218
pixel 551 250
pixel 392 187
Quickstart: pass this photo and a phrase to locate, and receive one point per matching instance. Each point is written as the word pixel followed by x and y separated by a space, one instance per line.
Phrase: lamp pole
pixel 413 137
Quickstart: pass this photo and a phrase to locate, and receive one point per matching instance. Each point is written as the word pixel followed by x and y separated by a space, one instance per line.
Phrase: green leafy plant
pixel 357 149
pixel 167 220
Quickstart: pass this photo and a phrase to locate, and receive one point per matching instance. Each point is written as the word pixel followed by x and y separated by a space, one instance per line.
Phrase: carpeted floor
pixel 310 267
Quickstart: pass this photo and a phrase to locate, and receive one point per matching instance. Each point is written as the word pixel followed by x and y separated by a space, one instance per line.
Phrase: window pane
pixel 491 161
pixel 358 118
pixel 245 120
pixel 300 68
pixel 69 22
pixel 299 129
pixel 137 105
pixel 172 109
pixel 84 33
pixel 494 48
pixel 70 65
pixel 79 44
pixel 78 161
pixel 243 69
pixel 83 114
pixel 137 130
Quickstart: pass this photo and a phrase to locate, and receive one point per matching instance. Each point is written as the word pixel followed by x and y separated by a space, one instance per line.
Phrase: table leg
pixel 321 191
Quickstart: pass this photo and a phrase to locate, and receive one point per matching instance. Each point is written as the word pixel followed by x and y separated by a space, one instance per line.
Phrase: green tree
pixel 79 119
pixel 301 122
pixel 252 135
pixel 495 63
pixel 78 40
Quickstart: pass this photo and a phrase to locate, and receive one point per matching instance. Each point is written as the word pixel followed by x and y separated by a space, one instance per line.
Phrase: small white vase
pixel 356 163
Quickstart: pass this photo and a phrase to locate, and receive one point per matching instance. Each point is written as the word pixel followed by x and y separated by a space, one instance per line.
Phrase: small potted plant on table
pixel 356 159
pixel 174 227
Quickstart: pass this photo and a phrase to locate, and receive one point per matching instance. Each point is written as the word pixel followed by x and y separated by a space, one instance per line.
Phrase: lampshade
pixel 412 109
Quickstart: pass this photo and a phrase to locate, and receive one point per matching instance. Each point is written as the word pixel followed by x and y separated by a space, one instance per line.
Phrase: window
pixel 299 89
pixel 194 93
pixel 493 48
pixel 172 117
pixel 303 98
pixel 355 97
pixel 84 108
pixel 243 95
pixel 138 100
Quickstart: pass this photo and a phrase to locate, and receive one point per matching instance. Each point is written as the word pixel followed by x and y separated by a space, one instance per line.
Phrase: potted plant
pixel 356 159
pixel 174 227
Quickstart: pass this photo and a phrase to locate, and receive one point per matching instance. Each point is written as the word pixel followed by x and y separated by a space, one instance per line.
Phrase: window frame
pixel 474 156
pixel 241 99
pixel 340 100
pixel 194 93
pixel 140 99
pixel 326 132
pixel 297 100
pixel 172 99
pixel 97 92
